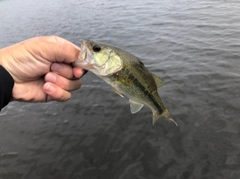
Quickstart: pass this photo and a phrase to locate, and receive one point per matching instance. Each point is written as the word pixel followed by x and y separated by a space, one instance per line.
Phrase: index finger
pixel 55 49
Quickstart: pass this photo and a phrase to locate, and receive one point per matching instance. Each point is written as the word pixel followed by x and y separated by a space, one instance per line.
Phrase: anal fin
pixel 135 106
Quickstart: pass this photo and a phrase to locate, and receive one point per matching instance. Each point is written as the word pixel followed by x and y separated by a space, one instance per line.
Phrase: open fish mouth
pixel 83 54
pixel 84 58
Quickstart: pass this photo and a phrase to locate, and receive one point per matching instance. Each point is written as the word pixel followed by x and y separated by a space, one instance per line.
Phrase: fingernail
pixel 50 88
pixel 56 67
pixel 51 77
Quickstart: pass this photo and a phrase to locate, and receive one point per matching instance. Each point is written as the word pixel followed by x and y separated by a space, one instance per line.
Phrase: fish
pixel 126 74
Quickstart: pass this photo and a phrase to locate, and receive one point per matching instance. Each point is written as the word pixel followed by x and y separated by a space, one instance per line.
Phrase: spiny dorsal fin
pixel 159 82
pixel 135 106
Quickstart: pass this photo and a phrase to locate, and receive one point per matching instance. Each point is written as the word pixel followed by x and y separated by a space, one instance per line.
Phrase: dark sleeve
pixel 6 86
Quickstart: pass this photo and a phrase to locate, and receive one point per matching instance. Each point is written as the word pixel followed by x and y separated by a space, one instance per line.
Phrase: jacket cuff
pixel 6 86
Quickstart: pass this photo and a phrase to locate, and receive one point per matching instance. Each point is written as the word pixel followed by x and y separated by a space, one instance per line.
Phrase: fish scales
pixel 126 80
pixel 126 74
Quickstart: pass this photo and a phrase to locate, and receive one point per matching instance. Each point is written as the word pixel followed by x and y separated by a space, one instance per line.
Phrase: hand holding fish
pixel 40 68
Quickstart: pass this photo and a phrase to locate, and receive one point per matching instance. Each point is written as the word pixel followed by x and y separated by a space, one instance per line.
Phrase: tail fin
pixel 166 114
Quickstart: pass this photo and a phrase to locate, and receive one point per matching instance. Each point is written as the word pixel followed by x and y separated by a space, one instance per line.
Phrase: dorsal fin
pixel 159 82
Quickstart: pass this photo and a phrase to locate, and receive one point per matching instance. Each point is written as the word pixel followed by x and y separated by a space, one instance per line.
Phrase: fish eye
pixel 96 48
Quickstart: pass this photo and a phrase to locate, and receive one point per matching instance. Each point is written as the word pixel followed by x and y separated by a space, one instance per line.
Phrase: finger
pixel 79 72
pixel 62 82
pixel 63 70
pixel 55 92
pixel 67 71
pixel 54 49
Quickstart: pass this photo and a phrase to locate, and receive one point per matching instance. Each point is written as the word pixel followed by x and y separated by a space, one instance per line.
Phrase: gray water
pixel 193 45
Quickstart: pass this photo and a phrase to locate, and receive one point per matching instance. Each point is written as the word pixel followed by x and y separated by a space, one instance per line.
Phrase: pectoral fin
pixel 135 106
pixel 159 82
pixel 116 91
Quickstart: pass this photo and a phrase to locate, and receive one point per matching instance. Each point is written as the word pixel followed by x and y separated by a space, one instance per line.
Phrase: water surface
pixel 193 45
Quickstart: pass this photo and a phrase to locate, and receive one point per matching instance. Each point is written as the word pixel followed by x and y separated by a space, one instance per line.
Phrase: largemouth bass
pixel 126 74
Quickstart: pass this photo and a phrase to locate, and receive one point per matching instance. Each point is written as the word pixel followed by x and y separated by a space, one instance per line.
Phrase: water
pixel 193 45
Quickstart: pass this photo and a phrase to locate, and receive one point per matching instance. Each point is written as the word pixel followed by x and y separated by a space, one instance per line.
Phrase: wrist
pixel 5 58
pixel 1 56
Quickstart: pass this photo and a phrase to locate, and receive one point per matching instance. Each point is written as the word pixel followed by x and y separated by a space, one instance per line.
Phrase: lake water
pixel 193 45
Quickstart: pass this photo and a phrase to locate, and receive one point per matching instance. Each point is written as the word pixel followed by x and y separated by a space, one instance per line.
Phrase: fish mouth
pixel 83 54
pixel 84 58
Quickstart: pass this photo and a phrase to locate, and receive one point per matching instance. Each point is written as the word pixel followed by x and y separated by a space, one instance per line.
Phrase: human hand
pixel 40 68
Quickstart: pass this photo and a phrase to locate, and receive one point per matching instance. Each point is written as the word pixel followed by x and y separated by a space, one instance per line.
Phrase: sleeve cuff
pixel 6 86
